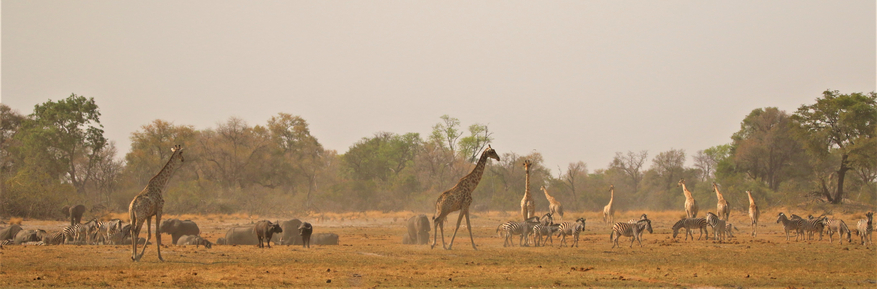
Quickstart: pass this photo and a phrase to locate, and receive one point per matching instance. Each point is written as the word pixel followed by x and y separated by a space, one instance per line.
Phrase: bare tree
pixel 575 172
pixel 631 164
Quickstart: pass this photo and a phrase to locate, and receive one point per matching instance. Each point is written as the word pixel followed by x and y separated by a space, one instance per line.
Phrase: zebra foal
pixel 864 228
pixel 571 229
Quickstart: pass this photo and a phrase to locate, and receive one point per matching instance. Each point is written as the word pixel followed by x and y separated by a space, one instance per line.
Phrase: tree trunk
pixel 841 173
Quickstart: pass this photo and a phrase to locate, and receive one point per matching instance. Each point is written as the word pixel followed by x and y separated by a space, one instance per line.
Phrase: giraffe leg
pixel 148 237
pixel 436 223
pixel 459 219
pixel 158 234
pixel 468 226
pixel 136 225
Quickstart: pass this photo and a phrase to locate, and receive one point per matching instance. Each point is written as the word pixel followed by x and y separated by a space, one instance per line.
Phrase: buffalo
pixel 265 230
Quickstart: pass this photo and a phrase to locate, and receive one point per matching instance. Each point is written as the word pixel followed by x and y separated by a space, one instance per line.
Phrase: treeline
pixel 57 155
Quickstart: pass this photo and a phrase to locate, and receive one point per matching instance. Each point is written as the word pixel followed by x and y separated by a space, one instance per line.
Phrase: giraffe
pixel 459 198
pixel 753 214
pixel 149 202
pixel 690 203
pixel 528 207
pixel 609 209
pixel 554 207
pixel 723 209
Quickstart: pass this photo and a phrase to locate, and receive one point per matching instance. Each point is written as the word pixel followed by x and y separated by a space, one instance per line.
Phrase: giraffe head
pixel 527 164
pixel 177 152
pixel 714 185
pixel 611 188
pixel 681 182
pixel 491 153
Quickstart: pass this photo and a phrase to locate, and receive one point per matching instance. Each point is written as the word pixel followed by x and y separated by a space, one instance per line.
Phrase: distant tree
pixel 765 148
pixel 446 133
pixel 576 173
pixel 10 124
pixel 708 160
pixel 64 138
pixel 841 123
pixel 150 148
pixel 471 146
pixel 233 152
pixel 631 165
pixel 669 166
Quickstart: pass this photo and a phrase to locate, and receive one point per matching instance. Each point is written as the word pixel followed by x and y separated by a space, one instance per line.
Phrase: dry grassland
pixel 371 255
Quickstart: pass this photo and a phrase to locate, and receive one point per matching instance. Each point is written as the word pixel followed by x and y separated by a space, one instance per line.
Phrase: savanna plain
pixel 371 254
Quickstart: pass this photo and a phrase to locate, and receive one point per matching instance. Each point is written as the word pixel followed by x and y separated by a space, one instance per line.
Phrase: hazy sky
pixel 573 80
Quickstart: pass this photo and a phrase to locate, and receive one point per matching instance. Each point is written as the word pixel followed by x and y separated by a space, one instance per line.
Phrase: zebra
pixel 814 225
pixel 573 229
pixel 55 239
pixel 837 226
pixel 690 224
pixel 719 226
pixel 112 227
pixel 791 224
pixel 864 228
pixel 542 233
pixel 630 230
pixel 728 230
pixel 511 228
pixel 633 221
pixel 92 228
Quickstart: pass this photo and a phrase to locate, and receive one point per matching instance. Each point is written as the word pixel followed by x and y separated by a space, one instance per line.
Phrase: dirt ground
pixel 370 254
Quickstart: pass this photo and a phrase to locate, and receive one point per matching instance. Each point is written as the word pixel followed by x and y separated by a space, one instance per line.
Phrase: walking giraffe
pixel 459 198
pixel 753 214
pixel 528 207
pixel 690 203
pixel 723 210
pixel 609 209
pixel 554 207
pixel 149 202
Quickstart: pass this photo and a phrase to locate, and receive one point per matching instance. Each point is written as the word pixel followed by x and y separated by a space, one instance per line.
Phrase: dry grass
pixel 371 255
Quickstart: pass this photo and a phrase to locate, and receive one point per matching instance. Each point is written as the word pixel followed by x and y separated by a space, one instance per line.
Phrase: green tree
pixel 843 124
pixel 150 149
pixel 446 133
pixel 296 155
pixel 765 148
pixel 65 138
pixel 471 146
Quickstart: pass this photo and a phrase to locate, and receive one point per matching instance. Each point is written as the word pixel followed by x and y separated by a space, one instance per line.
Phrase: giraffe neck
pixel 159 181
pixel 527 188
pixel 686 192
pixel 474 177
pixel 719 195
pixel 751 200
pixel 611 196
pixel 547 196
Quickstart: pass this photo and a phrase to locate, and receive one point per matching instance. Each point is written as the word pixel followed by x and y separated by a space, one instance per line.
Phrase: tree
pixel 708 160
pixel 447 132
pixel 575 173
pixel 765 147
pixel 295 154
pixel 842 124
pixel 233 152
pixel 10 124
pixel 65 138
pixel 150 148
pixel 472 145
pixel 669 166
pixel 631 165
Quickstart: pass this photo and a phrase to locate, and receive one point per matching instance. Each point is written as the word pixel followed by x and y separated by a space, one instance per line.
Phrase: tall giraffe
pixel 528 207
pixel 723 209
pixel 753 214
pixel 149 202
pixel 690 203
pixel 459 198
pixel 554 207
pixel 609 209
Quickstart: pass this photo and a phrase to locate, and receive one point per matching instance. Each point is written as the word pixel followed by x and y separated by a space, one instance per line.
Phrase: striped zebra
pixel 630 230
pixel 691 224
pixel 91 229
pixel 791 224
pixel 112 227
pixel 812 225
pixel 719 226
pixel 508 229
pixel 55 239
pixel 864 228
pixel 633 221
pixel 542 233
pixel 571 229
pixel 839 227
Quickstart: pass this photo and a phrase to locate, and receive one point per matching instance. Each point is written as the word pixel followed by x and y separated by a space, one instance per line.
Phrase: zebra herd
pixel 94 232
pixel 806 229
pixel 542 230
